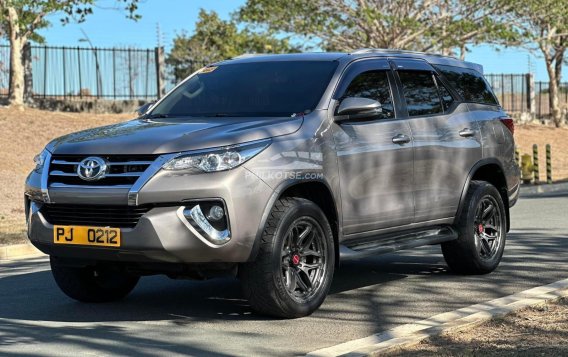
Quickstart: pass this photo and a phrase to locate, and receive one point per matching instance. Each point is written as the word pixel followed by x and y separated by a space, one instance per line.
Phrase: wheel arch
pixel 316 191
pixel 488 170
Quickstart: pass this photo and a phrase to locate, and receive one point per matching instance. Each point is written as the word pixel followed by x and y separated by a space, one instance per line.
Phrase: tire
pixel 92 284
pixel 481 232
pixel 296 252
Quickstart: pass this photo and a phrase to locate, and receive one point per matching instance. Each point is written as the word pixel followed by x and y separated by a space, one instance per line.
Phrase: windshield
pixel 250 89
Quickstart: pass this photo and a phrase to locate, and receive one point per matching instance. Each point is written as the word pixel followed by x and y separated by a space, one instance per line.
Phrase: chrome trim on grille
pixel 45 178
pixel 87 187
pixel 63 174
pixel 146 176
pixel 115 163
pixel 125 174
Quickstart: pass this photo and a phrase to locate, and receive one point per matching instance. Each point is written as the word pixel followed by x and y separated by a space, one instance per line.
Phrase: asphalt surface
pixel 170 317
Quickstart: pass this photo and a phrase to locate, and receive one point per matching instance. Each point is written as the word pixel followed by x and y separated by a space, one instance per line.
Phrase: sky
pixel 109 28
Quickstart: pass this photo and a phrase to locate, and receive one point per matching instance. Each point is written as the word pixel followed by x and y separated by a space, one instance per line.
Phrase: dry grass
pixel 25 133
pixel 536 331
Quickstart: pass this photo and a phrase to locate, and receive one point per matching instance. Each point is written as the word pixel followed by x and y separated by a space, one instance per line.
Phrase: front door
pixel 375 156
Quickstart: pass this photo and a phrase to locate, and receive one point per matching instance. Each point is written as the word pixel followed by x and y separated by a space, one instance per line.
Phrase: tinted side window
pixel 420 93
pixel 373 85
pixel 447 99
pixel 469 83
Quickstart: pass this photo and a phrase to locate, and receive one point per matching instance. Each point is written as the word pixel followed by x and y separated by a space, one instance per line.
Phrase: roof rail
pixel 389 50
pixel 248 55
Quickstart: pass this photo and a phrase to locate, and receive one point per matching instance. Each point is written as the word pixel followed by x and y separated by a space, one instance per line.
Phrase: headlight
pixel 40 159
pixel 214 160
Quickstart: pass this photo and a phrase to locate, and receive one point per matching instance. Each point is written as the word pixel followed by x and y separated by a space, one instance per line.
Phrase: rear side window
pixel 420 93
pixel 469 83
pixel 372 85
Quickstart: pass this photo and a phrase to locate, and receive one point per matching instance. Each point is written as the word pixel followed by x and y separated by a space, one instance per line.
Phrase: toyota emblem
pixel 92 169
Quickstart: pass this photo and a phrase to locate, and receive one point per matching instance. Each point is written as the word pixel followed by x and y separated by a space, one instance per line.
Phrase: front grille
pixel 123 170
pixel 94 215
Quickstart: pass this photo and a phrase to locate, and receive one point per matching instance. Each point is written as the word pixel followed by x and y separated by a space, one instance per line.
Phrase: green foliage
pixel 32 13
pixel 214 40
pixel 344 25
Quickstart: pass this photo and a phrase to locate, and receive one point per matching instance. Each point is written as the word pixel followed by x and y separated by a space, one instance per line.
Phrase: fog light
pixel 204 227
pixel 216 213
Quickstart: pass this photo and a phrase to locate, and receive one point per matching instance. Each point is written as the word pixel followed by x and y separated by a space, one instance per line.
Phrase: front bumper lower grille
pixel 94 215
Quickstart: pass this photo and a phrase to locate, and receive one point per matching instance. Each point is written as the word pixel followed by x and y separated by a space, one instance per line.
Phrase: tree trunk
pixel 553 100
pixel 554 104
pixel 17 43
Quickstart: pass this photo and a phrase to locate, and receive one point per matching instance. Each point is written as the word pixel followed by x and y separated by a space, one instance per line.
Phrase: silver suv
pixel 275 168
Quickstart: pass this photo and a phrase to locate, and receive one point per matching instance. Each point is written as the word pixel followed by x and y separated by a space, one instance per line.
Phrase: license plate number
pixel 92 236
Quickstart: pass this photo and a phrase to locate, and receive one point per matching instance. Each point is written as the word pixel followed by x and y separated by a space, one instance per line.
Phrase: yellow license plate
pixel 81 235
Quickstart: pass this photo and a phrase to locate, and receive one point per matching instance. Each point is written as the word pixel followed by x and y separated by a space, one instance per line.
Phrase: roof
pixel 361 53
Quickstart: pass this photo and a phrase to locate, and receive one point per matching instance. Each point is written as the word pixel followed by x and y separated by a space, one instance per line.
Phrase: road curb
pixel 411 334
pixel 545 188
pixel 15 251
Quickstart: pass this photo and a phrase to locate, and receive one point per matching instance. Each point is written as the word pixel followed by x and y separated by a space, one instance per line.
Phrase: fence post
pixel 130 81
pixel 98 70
pixel 160 72
pixel 45 72
pixel 64 75
pixel 148 52
pixel 28 79
pixel 79 68
pixel 531 97
pixel 548 164
pixel 114 72
pixel 535 164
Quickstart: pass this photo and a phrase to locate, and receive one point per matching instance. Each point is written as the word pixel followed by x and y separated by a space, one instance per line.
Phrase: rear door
pixel 446 138
pixel 375 172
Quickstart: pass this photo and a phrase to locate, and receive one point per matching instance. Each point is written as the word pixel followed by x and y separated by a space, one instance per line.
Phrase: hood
pixel 161 136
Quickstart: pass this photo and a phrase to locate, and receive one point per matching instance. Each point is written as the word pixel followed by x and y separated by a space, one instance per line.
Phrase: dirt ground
pixel 536 331
pixel 25 133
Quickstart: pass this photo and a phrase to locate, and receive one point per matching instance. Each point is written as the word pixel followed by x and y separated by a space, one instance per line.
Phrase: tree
pixel 544 28
pixel 345 25
pixel 214 40
pixel 21 19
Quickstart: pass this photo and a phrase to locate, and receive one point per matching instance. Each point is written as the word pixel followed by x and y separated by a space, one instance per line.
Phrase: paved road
pixel 184 317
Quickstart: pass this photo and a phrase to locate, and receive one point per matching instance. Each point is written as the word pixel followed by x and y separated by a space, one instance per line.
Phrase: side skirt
pixel 397 241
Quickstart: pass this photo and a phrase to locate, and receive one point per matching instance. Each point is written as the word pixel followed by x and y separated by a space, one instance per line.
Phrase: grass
pixel 25 133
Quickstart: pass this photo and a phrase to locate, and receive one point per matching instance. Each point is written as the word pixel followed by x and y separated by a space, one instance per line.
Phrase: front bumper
pixel 161 235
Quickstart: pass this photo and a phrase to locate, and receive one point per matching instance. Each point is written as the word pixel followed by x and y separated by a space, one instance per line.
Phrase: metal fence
pixel 83 73
pixel 514 93
pixel 130 73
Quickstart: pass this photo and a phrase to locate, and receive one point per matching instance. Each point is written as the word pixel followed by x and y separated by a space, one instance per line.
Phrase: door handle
pixel 467 132
pixel 401 139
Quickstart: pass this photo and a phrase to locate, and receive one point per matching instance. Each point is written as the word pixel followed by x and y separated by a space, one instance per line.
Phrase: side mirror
pixel 358 108
pixel 144 108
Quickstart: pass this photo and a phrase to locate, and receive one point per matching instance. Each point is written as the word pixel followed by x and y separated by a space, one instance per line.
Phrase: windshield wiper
pixel 156 116
pixel 218 115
